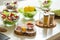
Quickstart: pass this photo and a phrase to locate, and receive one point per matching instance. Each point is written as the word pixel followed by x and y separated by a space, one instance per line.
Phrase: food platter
pixel 30 34
pixel 28 30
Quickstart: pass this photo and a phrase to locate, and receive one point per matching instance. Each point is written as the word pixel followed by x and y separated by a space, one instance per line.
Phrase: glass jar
pixel 51 20
pixel 46 20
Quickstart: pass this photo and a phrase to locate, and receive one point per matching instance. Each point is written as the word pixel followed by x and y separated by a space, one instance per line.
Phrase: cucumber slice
pixel 21 10
pixel 6 13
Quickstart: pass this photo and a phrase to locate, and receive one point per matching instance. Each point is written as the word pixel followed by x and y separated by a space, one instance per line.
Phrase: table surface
pixel 41 33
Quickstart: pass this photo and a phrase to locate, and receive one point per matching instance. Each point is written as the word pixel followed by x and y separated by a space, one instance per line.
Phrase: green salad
pixel 9 18
pixel 47 3
pixel 28 11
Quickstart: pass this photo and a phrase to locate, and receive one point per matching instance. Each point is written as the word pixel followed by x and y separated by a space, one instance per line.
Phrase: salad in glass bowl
pixel 28 12
pixel 46 3
pixel 11 5
pixel 9 18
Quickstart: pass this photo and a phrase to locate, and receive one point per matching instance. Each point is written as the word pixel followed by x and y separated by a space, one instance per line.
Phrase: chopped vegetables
pixel 29 9
pixel 9 18
pixel 47 3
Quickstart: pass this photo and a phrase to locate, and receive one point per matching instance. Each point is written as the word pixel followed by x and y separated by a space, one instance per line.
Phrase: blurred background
pixel 55 3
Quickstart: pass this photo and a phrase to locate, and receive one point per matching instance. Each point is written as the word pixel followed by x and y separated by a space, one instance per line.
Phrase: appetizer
pixel 18 30
pixel 30 27
pixel 3 29
pixel 25 30
pixel 47 3
pixel 9 18
pixel 28 11
pixel 11 5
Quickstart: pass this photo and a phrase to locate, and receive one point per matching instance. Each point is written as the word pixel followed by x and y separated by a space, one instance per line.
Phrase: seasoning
pixel 46 19
pixel 51 19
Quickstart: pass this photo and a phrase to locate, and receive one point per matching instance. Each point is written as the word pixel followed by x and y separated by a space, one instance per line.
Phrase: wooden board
pixel 57 17
pixel 40 24
pixel 25 34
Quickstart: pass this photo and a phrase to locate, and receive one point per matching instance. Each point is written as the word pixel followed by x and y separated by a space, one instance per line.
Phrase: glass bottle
pixel 46 19
pixel 51 19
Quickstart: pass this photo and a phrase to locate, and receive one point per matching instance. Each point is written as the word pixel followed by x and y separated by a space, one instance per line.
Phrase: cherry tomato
pixel 9 18
pixel 30 25
pixel 16 16
pixel 13 18
pixel 7 3
pixel 3 16
pixel 15 2
pixel 11 15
